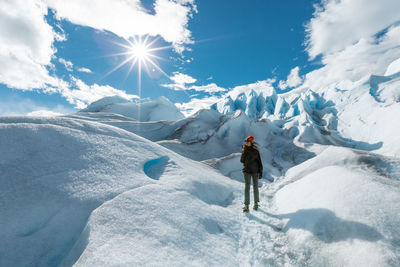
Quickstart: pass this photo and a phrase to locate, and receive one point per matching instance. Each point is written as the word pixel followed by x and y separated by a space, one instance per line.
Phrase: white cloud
pixel 84 70
pixel 338 24
pixel 282 85
pixel 26 45
pixel 182 79
pixel 292 80
pixel 368 56
pixel 209 88
pixel 16 105
pixel 189 108
pixel 129 18
pixel 26 51
pixel 67 64
pixel 83 94
pixel 345 34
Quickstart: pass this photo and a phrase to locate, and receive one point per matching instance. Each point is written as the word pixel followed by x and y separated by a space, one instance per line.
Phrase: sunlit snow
pixel 138 184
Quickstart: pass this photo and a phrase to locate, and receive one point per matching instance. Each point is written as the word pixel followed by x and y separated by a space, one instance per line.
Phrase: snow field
pixel 344 213
pixel 64 179
pixel 87 190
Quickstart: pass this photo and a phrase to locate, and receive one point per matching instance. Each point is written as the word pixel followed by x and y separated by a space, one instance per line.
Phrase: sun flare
pixel 140 52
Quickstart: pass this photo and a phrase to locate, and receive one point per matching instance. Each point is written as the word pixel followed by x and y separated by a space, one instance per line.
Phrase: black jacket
pixel 251 160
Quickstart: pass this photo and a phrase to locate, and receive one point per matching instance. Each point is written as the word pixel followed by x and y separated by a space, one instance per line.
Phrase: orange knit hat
pixel 250 139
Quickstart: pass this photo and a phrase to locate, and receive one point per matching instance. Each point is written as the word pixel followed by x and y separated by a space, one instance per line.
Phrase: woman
pixel 252 168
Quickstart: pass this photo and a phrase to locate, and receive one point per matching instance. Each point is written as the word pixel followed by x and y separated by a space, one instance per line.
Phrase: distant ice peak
pixel 142 110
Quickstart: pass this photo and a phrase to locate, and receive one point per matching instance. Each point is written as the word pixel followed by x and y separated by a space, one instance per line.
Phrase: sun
pixel 139 51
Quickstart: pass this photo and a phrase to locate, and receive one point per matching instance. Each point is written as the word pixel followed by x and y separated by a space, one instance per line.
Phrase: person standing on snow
pixel 252 168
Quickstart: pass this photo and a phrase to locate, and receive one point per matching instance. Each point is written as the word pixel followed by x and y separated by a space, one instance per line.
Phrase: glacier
pixel 137 183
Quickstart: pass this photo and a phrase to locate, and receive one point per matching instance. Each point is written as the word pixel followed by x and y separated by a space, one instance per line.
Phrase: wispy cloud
pixel 180 78
pixel 84 70
pixel 208 88
pixel 67 64
pixel 184 82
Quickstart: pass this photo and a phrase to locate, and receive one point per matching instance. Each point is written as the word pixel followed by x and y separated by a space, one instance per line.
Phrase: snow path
pixel 327 217
pixel 261 242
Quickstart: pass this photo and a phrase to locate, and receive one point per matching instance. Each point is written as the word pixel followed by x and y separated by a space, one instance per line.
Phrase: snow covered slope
pixel 350 114
pixel 289 128
pixel 103 186
pixel 144 110
pixel 369 112
pixel 209 135
pixel 81 192
pixel 341 208
pixel 84 192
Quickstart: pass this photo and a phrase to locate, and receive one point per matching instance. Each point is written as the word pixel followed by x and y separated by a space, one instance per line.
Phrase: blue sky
pixel 58 56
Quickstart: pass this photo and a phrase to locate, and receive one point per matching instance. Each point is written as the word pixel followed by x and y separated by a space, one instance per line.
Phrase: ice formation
pixel 120 183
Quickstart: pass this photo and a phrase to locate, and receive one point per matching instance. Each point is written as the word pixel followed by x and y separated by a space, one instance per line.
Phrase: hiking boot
pixel 255 206
pixel 246 208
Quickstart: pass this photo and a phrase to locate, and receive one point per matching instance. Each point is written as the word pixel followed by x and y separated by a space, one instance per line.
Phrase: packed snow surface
pixel 95 195
pixel 342 209
pixel 137 184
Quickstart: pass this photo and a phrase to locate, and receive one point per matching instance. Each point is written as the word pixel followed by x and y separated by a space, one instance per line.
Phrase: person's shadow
pixel 326 226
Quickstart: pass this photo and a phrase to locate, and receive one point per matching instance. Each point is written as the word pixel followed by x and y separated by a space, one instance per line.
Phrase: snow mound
pixel 393 68
pixel 209 134
pixel 78 191
pixel 172 229
pixel 144 110
pixel 366 113
pixel 341 208
pixel 102 104
pixel 199 128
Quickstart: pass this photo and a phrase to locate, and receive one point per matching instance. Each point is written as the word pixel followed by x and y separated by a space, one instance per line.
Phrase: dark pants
pixel 247 180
